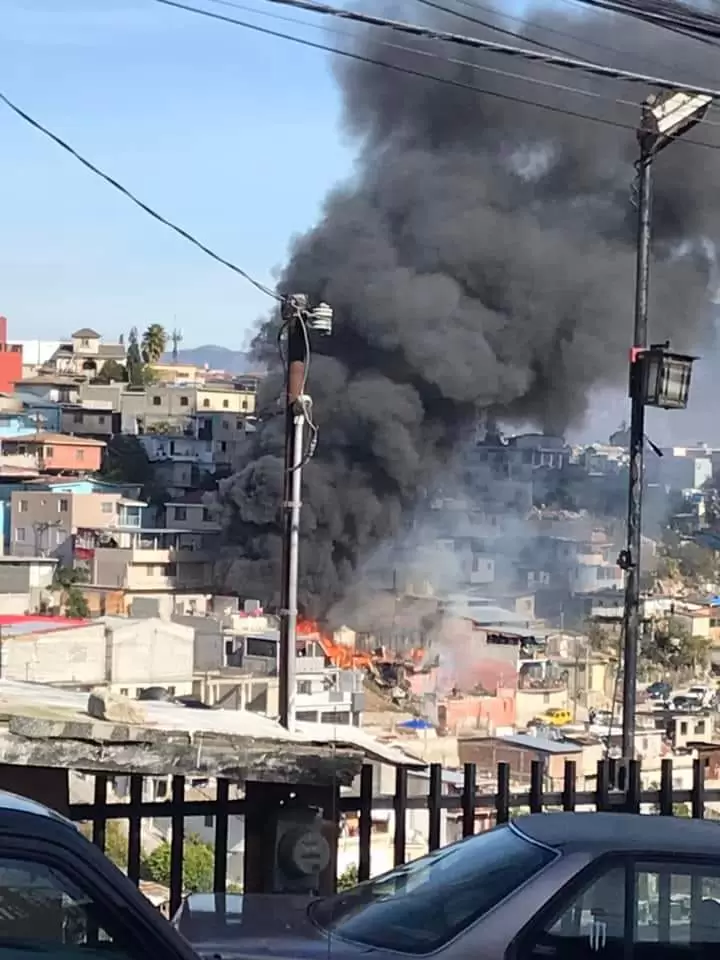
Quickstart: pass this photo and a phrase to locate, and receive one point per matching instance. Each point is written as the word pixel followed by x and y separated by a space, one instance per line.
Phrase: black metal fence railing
pixel 470 806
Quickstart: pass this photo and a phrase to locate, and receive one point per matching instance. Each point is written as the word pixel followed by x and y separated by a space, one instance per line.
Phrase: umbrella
pixel 417 723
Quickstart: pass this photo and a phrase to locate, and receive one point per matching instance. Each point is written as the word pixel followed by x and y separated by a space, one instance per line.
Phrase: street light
pixel 664 377
pixel 657 377
pixel 299 321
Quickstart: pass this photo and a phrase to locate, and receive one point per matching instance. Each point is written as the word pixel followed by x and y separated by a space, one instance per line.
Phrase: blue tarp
pixel 417 723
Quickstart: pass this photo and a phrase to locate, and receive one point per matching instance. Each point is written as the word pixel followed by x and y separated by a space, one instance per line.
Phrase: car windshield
pixel 420 906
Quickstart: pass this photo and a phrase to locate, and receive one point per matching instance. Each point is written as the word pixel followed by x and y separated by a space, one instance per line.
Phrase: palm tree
pixel 154 342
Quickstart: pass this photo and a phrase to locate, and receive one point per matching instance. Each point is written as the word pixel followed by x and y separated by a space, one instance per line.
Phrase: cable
pixel 450 60
pixel 584 66
pixel 312 44
pixel 139 203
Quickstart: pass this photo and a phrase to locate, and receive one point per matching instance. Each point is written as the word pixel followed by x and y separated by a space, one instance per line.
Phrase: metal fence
pixel 616 788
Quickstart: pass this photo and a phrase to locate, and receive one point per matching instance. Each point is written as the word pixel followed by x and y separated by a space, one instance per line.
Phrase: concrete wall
pixel 69 655
pixel 147 652
pixel 533 703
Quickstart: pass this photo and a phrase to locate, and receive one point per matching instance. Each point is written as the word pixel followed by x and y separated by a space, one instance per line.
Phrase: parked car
pixel 59 895
pixel 593 886
pixel 660 690
pixel 556 717
pixel 702 693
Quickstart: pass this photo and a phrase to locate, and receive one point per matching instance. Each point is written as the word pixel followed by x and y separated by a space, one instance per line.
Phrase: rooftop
pixel 45 726
pixel 529 741
pixel 58 439
pixel 85 333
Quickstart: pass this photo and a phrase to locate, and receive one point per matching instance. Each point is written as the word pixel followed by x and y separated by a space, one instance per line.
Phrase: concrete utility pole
pixel 298 321
pixel 652 381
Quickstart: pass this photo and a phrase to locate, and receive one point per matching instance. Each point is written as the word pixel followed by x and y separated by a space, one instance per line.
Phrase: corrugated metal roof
pixel 543 744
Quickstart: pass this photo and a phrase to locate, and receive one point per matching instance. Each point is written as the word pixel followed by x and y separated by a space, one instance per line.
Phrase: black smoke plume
pixel 480 259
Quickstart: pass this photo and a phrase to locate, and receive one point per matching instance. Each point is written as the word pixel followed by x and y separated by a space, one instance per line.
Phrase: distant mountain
pixel 216 358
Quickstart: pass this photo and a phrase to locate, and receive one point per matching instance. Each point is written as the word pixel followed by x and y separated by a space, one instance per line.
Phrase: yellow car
pixel 556 717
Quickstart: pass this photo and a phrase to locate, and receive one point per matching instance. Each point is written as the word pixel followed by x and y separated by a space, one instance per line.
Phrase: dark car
pixel 660 690
pixel 61 897
pixel 561 886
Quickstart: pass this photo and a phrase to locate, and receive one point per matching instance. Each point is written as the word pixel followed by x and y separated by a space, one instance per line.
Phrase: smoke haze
pixel 480 259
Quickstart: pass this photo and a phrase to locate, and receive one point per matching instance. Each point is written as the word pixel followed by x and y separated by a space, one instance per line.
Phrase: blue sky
pixel 233 135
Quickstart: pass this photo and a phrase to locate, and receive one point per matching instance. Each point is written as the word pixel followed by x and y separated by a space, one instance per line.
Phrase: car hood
pixel 271 926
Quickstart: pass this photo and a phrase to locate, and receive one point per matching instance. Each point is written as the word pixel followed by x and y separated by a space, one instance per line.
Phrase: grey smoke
pixel 481 258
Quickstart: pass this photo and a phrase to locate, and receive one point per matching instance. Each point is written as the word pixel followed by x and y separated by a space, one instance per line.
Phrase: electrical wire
pixel 138 203
pixel 397 68
pixel 426 33
pixel 592 94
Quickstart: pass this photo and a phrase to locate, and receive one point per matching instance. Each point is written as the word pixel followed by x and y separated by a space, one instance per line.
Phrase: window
pixel 422 905
pixel 49 452
pixel 62 505
pixel 22 449
pixel 80 454
pixel 20 534
pixel 226 404
pixel 107 506
pixel 84 344
pixel 226 424
pixel 123 691
pixel 304 687
pixel 243 404
pixel 184 402
pixel 209 822
pixel 77 418
pixel 101 420
pixel 170 570
pixel 156 401
pixel 206 402
pixel 207 514
pixel 593 922
pixel 22 506
pixel 45 913
pixel 683 728
pixel 223 446
pixel 180 513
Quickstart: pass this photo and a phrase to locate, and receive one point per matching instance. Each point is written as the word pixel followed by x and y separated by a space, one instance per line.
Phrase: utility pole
pixel 298 321
pixel 631 614
pixel 652 381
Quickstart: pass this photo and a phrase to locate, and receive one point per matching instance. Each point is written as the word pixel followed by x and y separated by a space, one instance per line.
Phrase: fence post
pixel 502 797
pixel 222 827
pixel 468 799
pixel 135 827
pixel 177 843
pixel 569 786
pixel 400 805
pixel 665 800
pixel 602 786
pixel 434 806
pixel 536 786
pixel 365 821
pixel 698 789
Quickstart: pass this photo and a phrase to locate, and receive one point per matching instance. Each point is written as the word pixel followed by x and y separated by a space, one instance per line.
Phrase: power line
pixel 312 44
pixel 569 63
pixel 138 203
pixel 592 94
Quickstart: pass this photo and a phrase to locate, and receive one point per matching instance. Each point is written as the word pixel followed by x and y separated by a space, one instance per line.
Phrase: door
pixel 48 909
pixel 587 923
pixel 655 909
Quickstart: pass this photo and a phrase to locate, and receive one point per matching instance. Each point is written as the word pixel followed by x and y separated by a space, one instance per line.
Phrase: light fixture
pixel 664 377
pixel 669 115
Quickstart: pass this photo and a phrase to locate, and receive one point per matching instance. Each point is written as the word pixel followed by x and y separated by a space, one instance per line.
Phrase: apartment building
pixel 145 563
pixel 196 513
pixel 57 452
pixel 45 518
pixel 85 354
pixel 90 420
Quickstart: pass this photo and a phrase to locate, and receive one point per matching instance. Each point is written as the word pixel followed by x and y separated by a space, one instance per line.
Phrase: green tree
pixel 348 878
pixel 112 372
pixel 116 842
pixel 672 646
pixel 134 361
pixel 68 581
pixel 198 865
pixel 154 342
